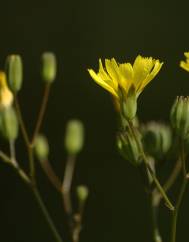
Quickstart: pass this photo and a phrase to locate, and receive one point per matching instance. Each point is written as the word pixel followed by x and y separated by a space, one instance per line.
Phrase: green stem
pixel 175 213
pixel 67 182
pixel 21 121
pixel 157 183
pixel 154 214
pixel 38 196
pixel 180 196
pixel 31 163
pixel 20 172
pixel 41 112
pixel 46 214
pixel 30 146
pixel 36 193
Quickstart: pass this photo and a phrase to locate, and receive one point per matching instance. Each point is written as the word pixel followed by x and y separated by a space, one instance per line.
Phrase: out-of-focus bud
pixel 49 67
pixel 41 147
pixel 9 123
pixel 129 149
pixel 82 193
pixel 74 137
pixel 128 104
pixel 180 116
pixel 6 96
pixel 14 71
pixel 157 139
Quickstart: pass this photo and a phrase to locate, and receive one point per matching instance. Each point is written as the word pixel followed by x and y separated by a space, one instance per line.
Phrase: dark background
pixel 80 32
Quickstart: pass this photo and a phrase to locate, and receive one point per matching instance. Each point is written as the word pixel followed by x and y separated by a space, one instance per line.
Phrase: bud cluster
pixel 156 139
pixel 128 148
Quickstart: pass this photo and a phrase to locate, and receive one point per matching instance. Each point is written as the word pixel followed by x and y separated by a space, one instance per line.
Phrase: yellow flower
pixel 126 76
pixel 185 64
pixel 6 96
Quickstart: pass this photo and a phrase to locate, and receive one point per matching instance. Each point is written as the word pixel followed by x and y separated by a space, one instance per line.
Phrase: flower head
pixel 125 82
pixel 126 76
pixel 6 96
pixel 185 64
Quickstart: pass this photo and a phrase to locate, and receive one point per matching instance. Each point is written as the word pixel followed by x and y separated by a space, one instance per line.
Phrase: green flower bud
pixel 9 123
pixel 157 139
pixel 14 71
pixel 82 193
pixel 49 67
pixel 180 116
pixel 74 136
pixel 128 104
pixel 41 147
pixel 128 148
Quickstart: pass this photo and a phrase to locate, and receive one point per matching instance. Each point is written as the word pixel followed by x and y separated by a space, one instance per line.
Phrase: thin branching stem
pixel 21 121
pixel 41 112
pixel 180 195
pixel 148 167
pixel 30 147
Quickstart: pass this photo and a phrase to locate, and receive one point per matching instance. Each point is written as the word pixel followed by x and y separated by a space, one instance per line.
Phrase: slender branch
pixel 66 185
pixel 5 157
pixel 19 171
pixel 157 183
pixel 78 218
pixel 31 163
pixel 30 146
pixel 41 111
pixel 154 213
pixel 21 121
pixel 36 193
pixel 54 179
pixel 46 214
pixel 180 196
pixel 12 151
pixel 160 188
pixel 176 171
pixel 169 183
pixel 177 207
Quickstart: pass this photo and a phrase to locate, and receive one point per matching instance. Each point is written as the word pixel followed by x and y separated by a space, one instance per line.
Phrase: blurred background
pixel 79 32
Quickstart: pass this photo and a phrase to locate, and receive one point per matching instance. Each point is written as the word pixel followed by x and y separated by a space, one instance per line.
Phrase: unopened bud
pixel 74 137
pixel 41 147
pixel 14 71
pixel 156 138
pixel 49 67
pixel 6 96
pixel 9 124
pixel 82 193
pixel 128 148
pixel 180 116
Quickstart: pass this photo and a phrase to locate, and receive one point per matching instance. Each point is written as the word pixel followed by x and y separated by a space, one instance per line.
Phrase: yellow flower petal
pixel 184 65
pixel 112 69
pixel 103 83
pixel 186 54
pixel 150 76
pixel 126 72
pixel 126 76
pixel 102 73
pixel 141 67
pixel 6 96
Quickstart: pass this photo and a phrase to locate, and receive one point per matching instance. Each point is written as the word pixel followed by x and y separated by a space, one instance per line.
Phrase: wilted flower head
pixel 6 96
pixel 185 64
